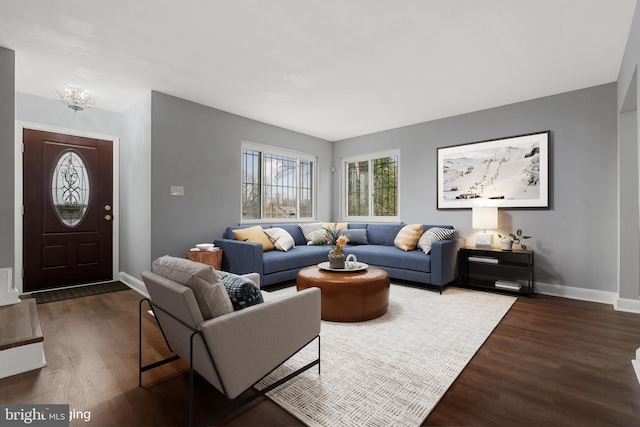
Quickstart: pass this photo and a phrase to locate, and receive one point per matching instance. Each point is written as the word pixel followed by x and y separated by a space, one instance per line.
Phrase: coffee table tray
pixel 360 266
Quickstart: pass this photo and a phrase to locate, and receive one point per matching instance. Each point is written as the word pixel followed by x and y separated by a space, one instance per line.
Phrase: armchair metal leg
pixel 259 393
pixel 145 368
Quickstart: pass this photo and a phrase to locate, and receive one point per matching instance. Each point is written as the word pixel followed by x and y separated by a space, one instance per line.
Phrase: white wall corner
pixel 572 292
pixel 8 294
pixel 628 305
pixel 135 284
pixel 636 364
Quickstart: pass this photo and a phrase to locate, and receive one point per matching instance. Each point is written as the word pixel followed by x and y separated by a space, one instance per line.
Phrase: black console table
pixel 495 269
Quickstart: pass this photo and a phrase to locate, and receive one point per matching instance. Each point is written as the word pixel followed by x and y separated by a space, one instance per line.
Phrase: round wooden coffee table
pixel 349 296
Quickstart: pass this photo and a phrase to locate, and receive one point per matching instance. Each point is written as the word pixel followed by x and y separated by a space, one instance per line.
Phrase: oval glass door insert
pixel 70 189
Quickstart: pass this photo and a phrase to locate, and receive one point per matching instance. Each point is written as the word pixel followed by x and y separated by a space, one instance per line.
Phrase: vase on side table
pixel 507 245
pixel 336 259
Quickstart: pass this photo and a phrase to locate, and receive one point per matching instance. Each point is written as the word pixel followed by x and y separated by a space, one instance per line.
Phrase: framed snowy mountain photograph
pixel 510 172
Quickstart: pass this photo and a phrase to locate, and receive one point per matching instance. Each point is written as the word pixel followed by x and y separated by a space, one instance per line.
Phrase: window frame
pixel 277 151
pixel 344 182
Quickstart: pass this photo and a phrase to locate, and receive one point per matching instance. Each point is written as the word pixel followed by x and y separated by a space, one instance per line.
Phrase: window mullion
pixel 381 185
pixel 263 185
pixel 371 189
pixel 298 187
pixel 278 176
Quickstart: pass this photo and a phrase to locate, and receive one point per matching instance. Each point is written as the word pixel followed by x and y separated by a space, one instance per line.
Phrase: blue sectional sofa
pixel 437 269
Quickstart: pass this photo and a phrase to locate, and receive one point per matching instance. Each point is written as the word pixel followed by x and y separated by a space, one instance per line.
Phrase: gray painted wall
pixel 573 239
pixel 629 212
pixel 198 147
pixel 628 140
pixel 135 189
pixel 7 170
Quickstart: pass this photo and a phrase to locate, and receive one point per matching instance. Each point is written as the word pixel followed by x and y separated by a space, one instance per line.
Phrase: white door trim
pixel 20 126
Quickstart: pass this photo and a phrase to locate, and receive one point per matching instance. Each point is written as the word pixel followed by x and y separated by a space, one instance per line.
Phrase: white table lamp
pixel 484 218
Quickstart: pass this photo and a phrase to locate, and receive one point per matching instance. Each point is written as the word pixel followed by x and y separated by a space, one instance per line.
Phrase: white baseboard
pixel 135 284
pixel 592 295
pixel 571 292
pixel 628 305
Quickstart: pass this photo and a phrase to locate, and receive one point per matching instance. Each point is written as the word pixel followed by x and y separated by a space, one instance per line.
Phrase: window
pixel 372 186
pixel 276 184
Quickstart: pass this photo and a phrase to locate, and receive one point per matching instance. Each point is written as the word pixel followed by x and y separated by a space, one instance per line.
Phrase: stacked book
pixel 487 259
pixel 508 285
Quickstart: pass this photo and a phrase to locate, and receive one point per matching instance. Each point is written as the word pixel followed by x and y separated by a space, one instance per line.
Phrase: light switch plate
pixel 177 190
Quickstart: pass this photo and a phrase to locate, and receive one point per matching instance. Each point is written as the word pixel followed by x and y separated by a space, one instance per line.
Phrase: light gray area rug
pixel 390 371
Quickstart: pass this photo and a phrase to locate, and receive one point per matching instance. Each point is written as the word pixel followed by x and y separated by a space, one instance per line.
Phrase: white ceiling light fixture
pixel 76 99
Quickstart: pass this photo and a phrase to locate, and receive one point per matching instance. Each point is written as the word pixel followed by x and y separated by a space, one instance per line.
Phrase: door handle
pixel 108 217
pixel 107 208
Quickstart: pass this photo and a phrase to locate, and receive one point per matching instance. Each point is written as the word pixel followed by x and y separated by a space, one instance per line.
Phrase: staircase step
pixel 21 339
pixel 19 325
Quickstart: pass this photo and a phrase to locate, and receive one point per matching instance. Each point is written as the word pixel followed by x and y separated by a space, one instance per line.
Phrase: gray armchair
pixel 233 350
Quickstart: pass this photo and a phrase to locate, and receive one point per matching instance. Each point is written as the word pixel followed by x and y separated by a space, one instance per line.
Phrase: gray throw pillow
pixel 356 236
pixel 207 288
pixel 313 232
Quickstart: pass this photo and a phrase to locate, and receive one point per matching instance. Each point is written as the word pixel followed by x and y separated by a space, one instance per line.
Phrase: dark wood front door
pixel 68 199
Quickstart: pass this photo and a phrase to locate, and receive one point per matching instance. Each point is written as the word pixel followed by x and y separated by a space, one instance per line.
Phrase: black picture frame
pixel 510 172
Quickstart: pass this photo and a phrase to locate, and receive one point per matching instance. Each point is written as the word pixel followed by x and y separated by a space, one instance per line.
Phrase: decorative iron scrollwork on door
pixel 70 189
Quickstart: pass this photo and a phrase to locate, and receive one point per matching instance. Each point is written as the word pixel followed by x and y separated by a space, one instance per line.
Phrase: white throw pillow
pixel 313 232
pixel 318 237
pixel 433 235
pixel 280 238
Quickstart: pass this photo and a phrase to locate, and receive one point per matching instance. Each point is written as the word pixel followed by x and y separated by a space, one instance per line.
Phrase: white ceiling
pixel 332 68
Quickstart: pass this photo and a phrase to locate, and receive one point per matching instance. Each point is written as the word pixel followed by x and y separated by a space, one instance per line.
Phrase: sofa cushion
pixel 207 288
pixel 296 258
pixel 407 238
pixel 356 236
pixel 254 234
pixel 382 234
pixel 242 292
pixel 390 256
pixel 433 235
pixel 280 238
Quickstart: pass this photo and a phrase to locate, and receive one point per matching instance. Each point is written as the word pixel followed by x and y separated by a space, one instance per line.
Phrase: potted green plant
pixel 337 241
pixel 507 241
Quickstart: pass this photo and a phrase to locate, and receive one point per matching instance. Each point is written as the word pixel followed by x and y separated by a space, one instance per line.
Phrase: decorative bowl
pixel 205 246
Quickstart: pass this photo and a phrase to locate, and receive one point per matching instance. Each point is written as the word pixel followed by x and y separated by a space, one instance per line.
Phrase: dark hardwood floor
pixel 550 362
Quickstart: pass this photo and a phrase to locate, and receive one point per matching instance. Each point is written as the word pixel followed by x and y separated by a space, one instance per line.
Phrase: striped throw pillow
pixel 433 235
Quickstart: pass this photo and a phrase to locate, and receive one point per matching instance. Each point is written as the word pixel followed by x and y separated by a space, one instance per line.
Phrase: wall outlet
pixel 177 190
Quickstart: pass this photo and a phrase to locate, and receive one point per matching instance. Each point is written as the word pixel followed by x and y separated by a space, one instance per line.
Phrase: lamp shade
pixel 484 217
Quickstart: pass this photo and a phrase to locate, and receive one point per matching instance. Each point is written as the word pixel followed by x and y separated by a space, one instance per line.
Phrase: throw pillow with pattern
pixel 242 291
pixel 433 235
pixel 280 238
